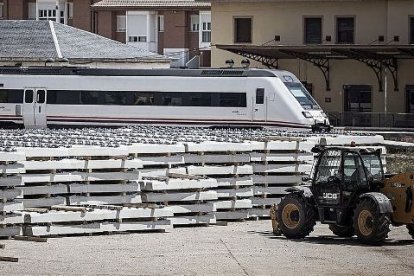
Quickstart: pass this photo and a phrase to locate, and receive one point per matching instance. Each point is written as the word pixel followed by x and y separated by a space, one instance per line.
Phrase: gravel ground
pixel 246 248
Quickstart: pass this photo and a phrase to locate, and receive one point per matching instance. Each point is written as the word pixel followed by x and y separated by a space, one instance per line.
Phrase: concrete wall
pixel 285 18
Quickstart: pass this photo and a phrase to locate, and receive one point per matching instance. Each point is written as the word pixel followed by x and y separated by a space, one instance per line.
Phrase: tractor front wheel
pixel 410 228
pixel 342 231
pixel 295 217
pixel 370 225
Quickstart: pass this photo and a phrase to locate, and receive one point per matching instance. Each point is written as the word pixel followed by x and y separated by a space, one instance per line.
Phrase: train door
pixel 260 105
pixel 34 107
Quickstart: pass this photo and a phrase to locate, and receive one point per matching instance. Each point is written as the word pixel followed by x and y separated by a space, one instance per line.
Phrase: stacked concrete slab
pixel 10 221
pixel 189 199
pixel 201 175
pixel 94 219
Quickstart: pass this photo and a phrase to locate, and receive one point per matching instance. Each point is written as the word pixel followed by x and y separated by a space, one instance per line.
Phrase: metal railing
pixel 371 119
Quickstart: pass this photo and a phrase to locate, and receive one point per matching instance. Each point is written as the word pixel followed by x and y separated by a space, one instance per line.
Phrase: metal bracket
pixel 320 62
pixel 376 63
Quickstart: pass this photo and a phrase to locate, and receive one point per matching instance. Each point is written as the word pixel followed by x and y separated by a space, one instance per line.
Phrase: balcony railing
pixel 372 119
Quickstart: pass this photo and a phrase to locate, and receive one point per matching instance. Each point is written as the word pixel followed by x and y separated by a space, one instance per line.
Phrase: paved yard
pixel 237 249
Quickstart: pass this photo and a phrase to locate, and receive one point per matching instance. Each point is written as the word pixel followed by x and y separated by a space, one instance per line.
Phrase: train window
pixel 146 98
pixel 202 99
pixel 15 96
pixel 41 96
pixel 260 95
pixel 63 97
pixel 91 97
pixel 232 99
pixel 4 96
pixel 176 99
pixel 28 96
pixel 301 95
pixel 143 98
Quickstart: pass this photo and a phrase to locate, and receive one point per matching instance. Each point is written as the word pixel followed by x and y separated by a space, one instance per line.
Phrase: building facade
pixel 179 29
pixel 360 81
pixel 76 13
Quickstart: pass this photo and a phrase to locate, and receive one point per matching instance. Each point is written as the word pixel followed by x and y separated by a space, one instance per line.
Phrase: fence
pixel 372 119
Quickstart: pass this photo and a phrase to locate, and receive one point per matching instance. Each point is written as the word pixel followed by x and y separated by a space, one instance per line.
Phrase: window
pixel 313 30
pixel 41 96
pixel 62 17
pixel 302 95
pixel 48 14
pixel 354 176
pixel 11 96
pixel 195 23
pixel 345 29
pixel 329 165
pixel 260 96
pixel 243 30
pixel 206 32
pixel 121 23
pixel 146 98
pixel 69 7
pixel 1 10
pixel 160 23
pixel 358 98
pixel 412 30
pixel 134 38
pixel 28 96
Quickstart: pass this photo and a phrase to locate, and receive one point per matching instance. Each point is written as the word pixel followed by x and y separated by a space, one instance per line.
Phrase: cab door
pixel 327 180
pixel 34 108
pixel 260 105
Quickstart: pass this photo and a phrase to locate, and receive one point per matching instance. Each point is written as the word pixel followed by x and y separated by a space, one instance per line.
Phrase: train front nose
pixel 320 121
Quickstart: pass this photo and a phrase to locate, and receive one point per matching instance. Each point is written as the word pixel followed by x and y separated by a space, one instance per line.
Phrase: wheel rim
pixel 290 216
pixel 365 222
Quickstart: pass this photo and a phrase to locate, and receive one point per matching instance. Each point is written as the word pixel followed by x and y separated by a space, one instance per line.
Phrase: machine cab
pixel 341 175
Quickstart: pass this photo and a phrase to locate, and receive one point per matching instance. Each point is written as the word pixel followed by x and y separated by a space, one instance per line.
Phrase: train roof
pixel 210 72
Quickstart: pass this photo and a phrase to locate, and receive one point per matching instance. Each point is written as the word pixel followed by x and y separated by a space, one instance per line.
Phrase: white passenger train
pixel 45 96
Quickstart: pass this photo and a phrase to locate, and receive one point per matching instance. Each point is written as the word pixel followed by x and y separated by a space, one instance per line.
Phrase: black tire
pixel 296 218
pixel 370 225
pixel 342 231
pixel 410 228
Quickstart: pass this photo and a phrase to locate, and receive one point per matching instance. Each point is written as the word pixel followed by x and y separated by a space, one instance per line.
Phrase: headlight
pixel 306 114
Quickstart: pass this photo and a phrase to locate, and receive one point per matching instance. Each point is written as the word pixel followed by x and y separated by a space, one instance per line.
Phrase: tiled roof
pixel 152 4
pixel 33 40
pixel 26 39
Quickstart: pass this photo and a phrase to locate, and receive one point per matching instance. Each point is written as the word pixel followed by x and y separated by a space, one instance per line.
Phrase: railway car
pixel 38 97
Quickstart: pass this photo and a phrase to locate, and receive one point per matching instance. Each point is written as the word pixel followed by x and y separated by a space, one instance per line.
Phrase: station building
pixel 179 29
pixel 355 56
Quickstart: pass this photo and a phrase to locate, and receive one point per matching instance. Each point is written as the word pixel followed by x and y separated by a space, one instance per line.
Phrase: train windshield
pixel 302 95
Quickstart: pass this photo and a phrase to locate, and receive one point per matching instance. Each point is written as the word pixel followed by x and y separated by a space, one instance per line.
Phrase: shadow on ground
pixel 330 239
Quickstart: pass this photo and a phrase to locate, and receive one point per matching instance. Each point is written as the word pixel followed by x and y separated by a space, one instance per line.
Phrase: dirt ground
pixel 242 248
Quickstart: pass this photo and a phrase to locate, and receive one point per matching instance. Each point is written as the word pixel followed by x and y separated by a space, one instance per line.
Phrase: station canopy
pixel 378 57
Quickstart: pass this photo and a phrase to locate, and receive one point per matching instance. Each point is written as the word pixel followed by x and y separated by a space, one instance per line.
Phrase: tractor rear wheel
pixel 295 217
pixel 370 225
pixel 410 228
pixel 342 231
